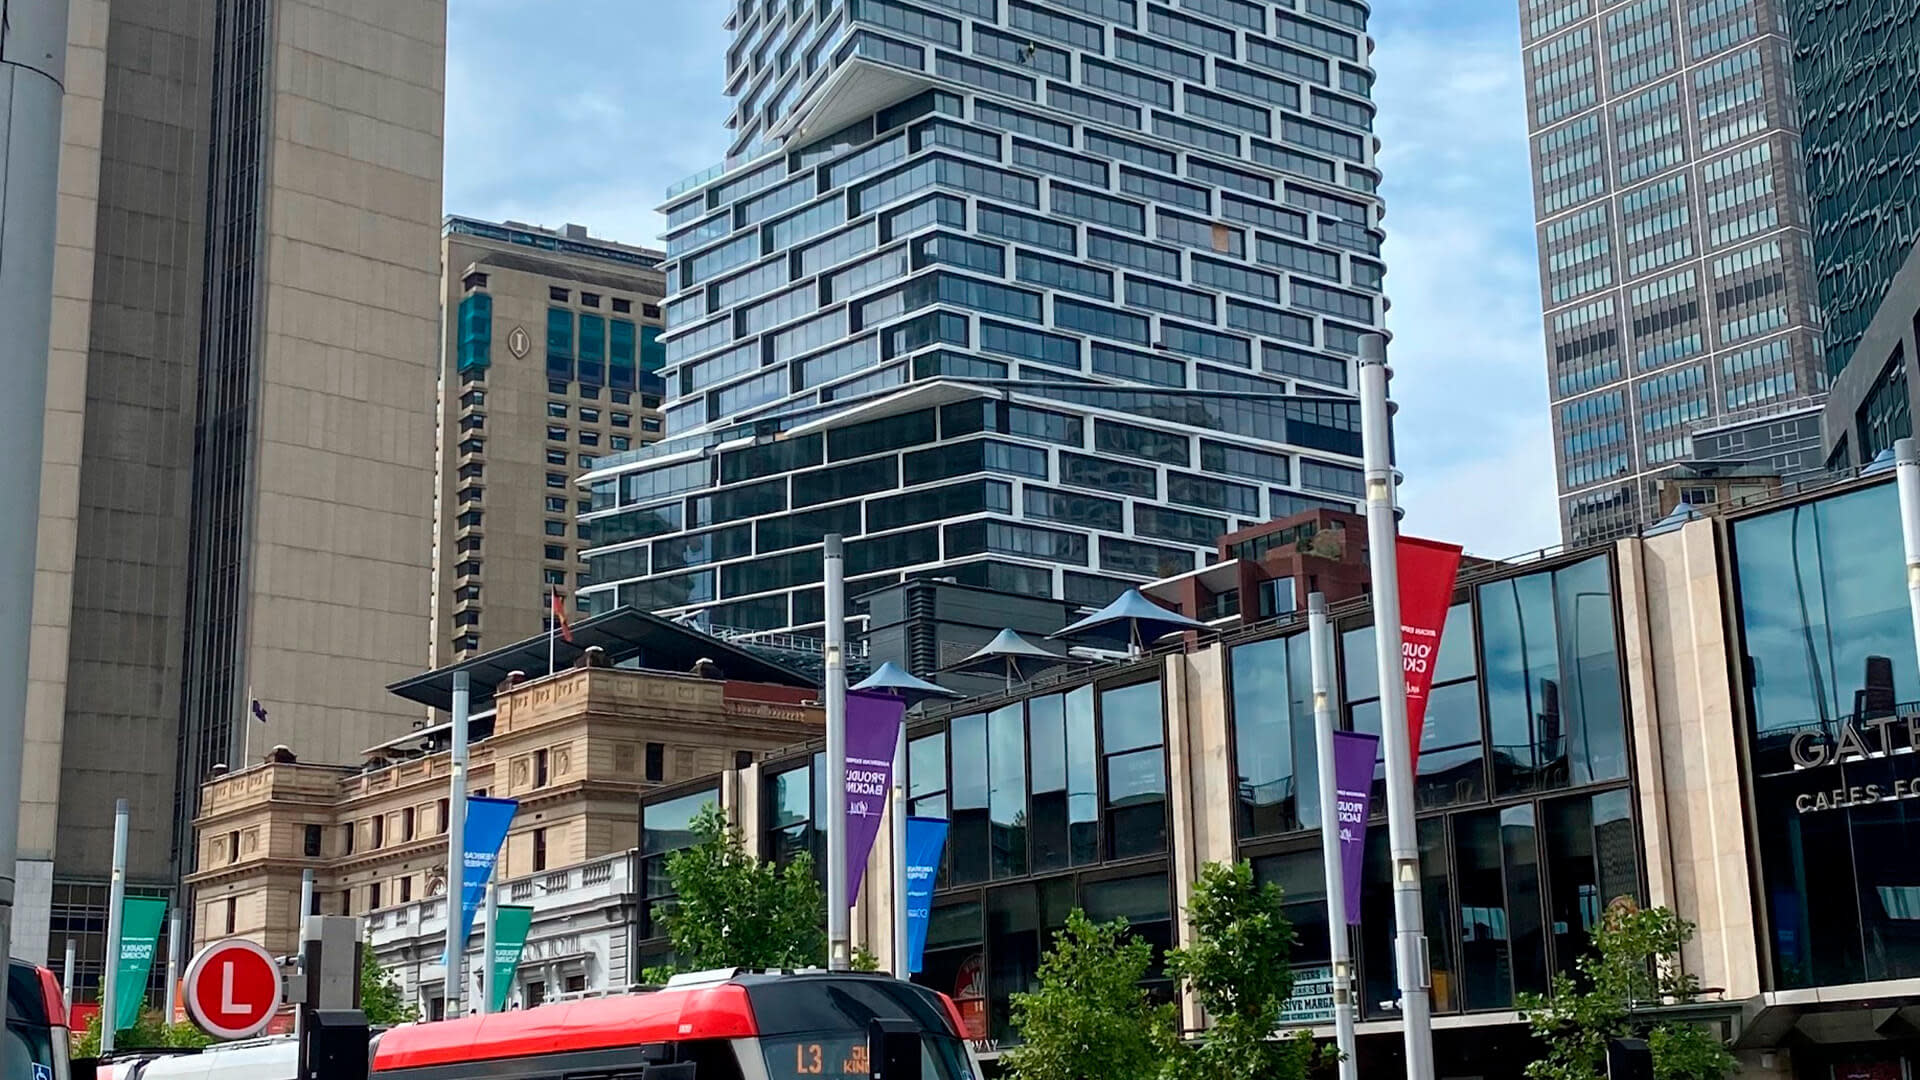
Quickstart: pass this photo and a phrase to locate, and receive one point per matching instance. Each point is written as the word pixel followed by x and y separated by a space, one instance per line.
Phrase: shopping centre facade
pixel 1710 717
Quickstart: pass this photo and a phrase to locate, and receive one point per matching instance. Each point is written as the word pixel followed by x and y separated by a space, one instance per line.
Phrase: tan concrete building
pixel 549 364
pixel 576 750
pixel 238 475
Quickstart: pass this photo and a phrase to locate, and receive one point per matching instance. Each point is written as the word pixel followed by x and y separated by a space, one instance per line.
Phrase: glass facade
pixel 1525 824
pixel 1854 66
pixel 1827 645
pixel 824 281
pixel 1675 258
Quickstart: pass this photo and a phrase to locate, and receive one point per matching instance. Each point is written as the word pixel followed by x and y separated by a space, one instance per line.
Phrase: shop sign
pixel 1312 999
pixel 1881 738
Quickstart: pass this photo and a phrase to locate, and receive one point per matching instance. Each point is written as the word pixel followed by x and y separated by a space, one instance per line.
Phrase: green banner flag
pixel 509 937
pixel 140 920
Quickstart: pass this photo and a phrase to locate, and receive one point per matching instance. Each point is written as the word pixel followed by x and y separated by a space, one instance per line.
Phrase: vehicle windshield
pixel 844 1056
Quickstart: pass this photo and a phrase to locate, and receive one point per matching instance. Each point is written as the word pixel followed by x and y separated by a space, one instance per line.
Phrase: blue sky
pixel 585 111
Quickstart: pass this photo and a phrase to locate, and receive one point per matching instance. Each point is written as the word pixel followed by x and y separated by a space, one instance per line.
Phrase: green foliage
pixel 736 910
pixel 380 996
pixel 148 1033
pixel 1634 967
pixel 1090 1019
pixel 1238 969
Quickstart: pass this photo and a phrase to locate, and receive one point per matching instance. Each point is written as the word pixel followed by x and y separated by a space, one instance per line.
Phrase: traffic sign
pixel 233 989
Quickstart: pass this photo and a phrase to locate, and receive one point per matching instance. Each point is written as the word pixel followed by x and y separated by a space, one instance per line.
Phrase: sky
pixel 584 111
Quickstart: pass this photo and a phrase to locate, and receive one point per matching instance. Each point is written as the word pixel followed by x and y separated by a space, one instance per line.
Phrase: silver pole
pixel 839 946
pixel 1403 840
pixel 1320 649
pixel 489 941
pixel 1906 472
pixel 898 812
pixel 116 901
pixel 33 64
pixel 173 964
pixel 457 845
pixel 306 911
pixel 66 983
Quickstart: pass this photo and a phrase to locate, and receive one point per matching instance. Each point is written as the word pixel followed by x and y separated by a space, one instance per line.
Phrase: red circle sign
pixel 233 989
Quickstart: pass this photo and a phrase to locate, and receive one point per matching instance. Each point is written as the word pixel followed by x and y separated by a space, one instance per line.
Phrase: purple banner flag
pixel 1353 758
pixel 873 723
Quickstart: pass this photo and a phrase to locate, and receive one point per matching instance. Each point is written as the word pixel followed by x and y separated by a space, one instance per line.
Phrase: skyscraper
pixel 1857 66
pixel 239 462
pixel 1037 296
pixel 1675 263
pixel 517 422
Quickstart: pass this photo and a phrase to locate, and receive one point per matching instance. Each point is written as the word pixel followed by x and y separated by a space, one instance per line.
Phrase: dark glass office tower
pixel 1857 69
pixel 1042 297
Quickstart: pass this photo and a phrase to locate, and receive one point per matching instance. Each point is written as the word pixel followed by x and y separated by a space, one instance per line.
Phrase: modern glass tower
pixel 1038 296
pixel 1675 262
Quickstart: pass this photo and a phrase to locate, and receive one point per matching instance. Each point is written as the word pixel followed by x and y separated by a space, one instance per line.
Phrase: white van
pixel 274 1058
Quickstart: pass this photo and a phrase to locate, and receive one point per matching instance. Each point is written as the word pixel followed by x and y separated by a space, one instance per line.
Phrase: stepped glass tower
pixel 1043 297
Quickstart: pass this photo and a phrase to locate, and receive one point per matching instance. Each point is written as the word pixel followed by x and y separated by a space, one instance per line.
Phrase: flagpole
pixel 553 623
pixel 246 729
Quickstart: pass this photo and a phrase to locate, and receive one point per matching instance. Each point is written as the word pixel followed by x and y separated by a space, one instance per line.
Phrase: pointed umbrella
pixel 1009 654
pixel 889 678
pixel 1131 621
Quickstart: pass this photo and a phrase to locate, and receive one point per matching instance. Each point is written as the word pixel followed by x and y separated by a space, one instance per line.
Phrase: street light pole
pixel 1403 841
pixel 1320 650
pixel 839 937
pixel 457 845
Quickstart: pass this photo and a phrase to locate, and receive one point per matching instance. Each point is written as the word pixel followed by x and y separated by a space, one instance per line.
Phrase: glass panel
pixel 1590 673
pixel 1436 904
pixel 1573 902
pixel 1451 769
pixel 1130 717
pixel 1303 889
pixel 1047 742
pixel 1517 839
pixel 1523 687
pixel 1007 798
pixel 1136 803
pixel 1486 973
pixel 1273 737
pixel 1083 779
pixel 968 832
pixel 1013 925
pixel 954 944
pixel 927 765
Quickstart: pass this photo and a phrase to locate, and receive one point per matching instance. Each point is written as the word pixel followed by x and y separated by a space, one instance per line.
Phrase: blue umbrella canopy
pixel 890 678
pixel 1011 655
pixel 1131 619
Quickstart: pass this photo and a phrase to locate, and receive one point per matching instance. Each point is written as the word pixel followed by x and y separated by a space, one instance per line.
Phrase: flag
pixel 560 617
pixel 258 710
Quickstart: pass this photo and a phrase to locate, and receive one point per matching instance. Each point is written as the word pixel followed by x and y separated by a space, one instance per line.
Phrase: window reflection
pixel 968 835
pixel 1450 770
pixel 1274 751
pixel 1007 789
pixel 1131 736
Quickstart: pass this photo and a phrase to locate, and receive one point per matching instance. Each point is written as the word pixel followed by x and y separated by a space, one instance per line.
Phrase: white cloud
pixel 1473 436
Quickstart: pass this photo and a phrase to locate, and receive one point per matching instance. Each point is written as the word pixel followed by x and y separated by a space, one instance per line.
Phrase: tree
pixel 149 1032
pixel 736 910
pixel 1090 1019
pixel 1633 968
pixel 1237 968
pixel 380 996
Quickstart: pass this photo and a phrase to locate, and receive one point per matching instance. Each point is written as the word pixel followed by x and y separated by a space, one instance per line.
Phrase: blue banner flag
pixel 926 838
pixel 487 821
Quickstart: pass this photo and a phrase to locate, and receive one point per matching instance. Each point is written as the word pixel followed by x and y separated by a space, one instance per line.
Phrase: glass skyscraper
pixel 1037 296
pixel 1675 262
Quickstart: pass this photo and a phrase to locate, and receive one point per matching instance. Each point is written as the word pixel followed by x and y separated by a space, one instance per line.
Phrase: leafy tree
pixel 1238 970
pixel 381 998
pixel 1090 1019
pixel 1634 966
pixel 736 910
pixel 149 1032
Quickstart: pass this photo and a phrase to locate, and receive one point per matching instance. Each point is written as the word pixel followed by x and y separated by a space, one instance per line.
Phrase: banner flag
pixel 873 723
pixel 140 921
pixel 487 821
pixel 1354 754
pixel 1427 572
pixel 509 937
pixel 926 839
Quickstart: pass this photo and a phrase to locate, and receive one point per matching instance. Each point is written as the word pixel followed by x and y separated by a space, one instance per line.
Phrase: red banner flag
pixel 1427 571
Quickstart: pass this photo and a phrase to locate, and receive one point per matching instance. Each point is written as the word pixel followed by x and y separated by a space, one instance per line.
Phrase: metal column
pixel 839 943
pixel 457 846
pixel 33 65
pixel 897 810
pixel 490 940
pixel 1403 840
pixel 1320 643
pixel 116 905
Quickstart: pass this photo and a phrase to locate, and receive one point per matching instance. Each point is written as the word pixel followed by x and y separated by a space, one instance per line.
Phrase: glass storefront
pixel 1526 825
pixel 1828 655
pixel 1056 801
